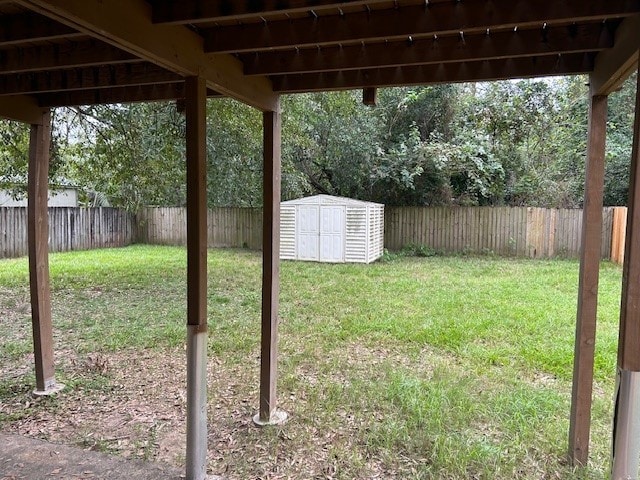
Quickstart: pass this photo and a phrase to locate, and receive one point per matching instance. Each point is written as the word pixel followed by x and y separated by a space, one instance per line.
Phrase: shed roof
pixel 72 52
pixel 329 200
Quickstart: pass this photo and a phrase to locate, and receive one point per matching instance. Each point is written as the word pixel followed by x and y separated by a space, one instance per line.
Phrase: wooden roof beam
pixel 200 11
pixel 138 93
pixel 52 57
pixel 127 24
pixel 410 21
pixel 21 108
pixel 433 74
pixel 29 27
pixel 500 45
pixel 612 67
pixel 370 96
pixel 85 79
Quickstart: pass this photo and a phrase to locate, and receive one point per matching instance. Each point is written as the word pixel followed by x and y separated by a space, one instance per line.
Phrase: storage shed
pixel 331 229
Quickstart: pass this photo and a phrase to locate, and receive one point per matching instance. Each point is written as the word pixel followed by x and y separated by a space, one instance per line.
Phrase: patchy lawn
pixel 442 367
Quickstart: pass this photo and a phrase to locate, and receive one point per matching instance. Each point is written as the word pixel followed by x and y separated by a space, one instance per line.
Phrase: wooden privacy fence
pixel 517 231
pixel 520 231
pixel 226 227
pixel 69 229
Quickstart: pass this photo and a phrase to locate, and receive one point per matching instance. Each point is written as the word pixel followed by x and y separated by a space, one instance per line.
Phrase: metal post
pixel 196 402
pixel 626 427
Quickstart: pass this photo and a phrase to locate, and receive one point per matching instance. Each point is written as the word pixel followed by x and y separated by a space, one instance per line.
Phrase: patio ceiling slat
pixel 416 21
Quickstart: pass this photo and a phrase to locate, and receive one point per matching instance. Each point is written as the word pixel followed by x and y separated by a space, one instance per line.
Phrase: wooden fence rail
pixel 69 229
pixel 517 231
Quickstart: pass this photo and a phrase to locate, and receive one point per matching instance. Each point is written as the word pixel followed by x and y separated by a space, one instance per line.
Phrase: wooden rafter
pixel 201 11
pixel 440 73
pixel 370 96
pixel 85 78
pixel 22 108
pixel 612 67
pixel 16 30
pixel 410 21
pixel 456 48
pixel 442 40
pixel 127 24
pixel 139 93
pixel 54 57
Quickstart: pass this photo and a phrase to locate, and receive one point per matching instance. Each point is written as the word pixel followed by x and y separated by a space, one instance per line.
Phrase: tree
pixel 619 142
pixel 331 141
pixel 132 154
pixel 519 142
pixel 14 156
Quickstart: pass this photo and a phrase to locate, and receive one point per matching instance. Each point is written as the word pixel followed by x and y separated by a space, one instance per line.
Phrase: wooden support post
pixel 580 420
pixel 269 414
pixel 38 228
pixel 626 422
pixel 195 105
pixel 370 96
pixel 629 337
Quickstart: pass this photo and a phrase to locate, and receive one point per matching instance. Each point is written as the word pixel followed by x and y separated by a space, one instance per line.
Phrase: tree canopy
pixel 502 143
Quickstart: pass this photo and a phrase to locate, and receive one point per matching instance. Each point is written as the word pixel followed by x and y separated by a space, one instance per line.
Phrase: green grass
pixel 438 367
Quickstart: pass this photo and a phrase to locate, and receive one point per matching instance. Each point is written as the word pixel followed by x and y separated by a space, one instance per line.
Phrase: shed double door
pixel 321 233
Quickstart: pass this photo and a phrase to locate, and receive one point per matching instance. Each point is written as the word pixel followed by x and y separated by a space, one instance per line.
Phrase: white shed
pixel 67 197
pixel 323 228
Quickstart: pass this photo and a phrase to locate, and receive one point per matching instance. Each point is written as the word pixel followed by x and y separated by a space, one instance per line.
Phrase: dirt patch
pixel 133 404
pixel 25 458
pixel 119 403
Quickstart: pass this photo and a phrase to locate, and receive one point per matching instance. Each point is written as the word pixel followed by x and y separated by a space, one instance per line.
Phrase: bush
pixel 417 250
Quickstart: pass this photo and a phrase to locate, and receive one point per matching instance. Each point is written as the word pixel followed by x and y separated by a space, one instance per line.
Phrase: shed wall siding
pixel 288 232
pixel 376 233
pixel 356 235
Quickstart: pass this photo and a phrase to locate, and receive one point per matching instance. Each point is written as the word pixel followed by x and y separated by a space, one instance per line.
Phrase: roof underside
pixel 71 52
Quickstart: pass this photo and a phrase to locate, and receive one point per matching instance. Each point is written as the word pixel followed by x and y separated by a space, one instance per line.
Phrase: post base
pixel 278 417
pixel 50 390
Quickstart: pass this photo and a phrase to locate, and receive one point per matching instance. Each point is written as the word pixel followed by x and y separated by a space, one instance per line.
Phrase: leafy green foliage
pixel 619 142
pixel 14 156
pixel 332 141
pixel 133 154
pixel 14 138
pixel 503 143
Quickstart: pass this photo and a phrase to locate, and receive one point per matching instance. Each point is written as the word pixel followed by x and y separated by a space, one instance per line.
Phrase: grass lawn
pixel 442 367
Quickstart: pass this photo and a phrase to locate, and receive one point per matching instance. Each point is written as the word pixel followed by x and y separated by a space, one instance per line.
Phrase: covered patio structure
pixel 77 52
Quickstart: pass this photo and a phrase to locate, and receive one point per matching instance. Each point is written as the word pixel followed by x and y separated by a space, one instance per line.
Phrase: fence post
pixel 618 233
